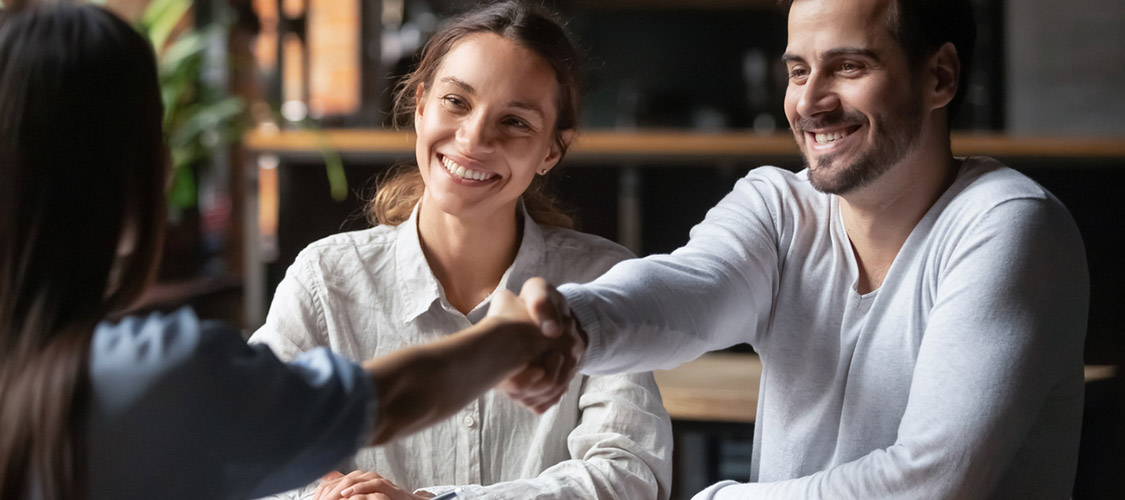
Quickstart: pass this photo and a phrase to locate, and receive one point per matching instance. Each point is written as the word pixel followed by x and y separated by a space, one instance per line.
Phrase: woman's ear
pixel 945 72
pixel 419 105
pixel 565 139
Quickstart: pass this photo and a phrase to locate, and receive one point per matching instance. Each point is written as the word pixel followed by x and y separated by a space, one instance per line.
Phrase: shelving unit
pixel 629 154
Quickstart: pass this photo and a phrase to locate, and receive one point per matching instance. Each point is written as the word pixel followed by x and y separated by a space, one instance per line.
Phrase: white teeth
pixel 830 137
pixel 462 172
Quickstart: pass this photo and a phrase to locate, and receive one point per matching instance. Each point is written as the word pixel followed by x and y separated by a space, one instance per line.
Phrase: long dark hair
pixel 82 165
pixel 530 26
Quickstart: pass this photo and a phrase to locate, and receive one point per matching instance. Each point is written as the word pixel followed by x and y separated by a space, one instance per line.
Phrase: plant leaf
pixel 187 46
pixel 161 17
pixel 205 117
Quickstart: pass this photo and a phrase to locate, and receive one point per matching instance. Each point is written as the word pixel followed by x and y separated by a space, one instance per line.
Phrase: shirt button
pixel 470 422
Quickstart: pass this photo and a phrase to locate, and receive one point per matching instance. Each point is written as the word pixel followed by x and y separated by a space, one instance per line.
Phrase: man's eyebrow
pixel 460 83
pixel 834 53
pixel 851 51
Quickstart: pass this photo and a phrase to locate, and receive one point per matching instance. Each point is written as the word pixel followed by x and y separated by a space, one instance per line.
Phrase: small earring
pixel 543 171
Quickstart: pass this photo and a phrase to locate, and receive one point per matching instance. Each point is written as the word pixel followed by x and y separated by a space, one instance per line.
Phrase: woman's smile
pixel 460 172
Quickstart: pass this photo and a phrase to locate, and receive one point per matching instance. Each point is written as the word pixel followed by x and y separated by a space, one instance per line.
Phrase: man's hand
pixel 543 383
pixel 360 485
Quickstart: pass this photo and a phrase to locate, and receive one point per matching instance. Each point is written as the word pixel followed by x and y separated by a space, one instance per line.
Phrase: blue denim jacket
pixel 181 408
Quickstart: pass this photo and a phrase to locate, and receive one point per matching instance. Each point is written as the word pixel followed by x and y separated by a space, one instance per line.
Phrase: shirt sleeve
pixel 999 370
pixel 194 401
pixel 715 292
pixel 621 449
pixel 296 320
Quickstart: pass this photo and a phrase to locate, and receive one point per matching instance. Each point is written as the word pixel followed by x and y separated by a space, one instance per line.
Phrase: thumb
pixel 543 304
pixel 505 304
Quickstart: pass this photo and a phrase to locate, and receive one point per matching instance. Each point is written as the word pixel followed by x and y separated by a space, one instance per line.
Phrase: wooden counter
pixel 717 387
pixel 723 387
pixel 670 146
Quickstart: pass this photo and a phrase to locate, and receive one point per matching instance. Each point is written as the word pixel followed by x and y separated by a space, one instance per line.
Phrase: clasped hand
pixel 542 383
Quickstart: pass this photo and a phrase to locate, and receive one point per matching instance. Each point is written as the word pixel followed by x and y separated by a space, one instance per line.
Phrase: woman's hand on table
pixel 361 485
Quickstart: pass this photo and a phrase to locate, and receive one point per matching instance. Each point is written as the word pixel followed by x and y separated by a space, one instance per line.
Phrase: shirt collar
pixel 420 288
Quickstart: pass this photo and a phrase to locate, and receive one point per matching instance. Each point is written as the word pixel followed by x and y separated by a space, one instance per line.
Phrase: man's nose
pixel 818 95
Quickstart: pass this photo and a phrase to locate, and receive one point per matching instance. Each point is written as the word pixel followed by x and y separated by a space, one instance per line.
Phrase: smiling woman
pixel 494 102
pixel 540 40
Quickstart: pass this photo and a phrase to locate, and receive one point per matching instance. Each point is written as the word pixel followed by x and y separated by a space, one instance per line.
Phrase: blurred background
pixel 278 119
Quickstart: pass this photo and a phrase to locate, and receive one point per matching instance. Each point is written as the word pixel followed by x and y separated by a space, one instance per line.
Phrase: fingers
pixel 543 384
pixel 340 486
pixel 506 305
pixel 546 306
pixel 377 488
pixel 325 486
pixel 530 375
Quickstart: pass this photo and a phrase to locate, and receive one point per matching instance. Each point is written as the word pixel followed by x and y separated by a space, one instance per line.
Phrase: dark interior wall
pixel 1066 65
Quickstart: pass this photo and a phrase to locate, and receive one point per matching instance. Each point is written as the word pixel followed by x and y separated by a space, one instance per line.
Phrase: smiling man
pixel 920 317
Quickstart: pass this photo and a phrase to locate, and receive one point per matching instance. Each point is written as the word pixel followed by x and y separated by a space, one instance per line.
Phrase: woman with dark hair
pixel 495 103
pixel 160 406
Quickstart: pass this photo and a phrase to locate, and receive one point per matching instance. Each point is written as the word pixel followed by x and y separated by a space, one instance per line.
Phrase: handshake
pixel 529 346
pixel 562 341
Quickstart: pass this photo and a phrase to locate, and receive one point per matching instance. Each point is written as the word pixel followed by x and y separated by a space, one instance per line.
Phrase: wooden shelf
pixel 677 4
pixel 658 147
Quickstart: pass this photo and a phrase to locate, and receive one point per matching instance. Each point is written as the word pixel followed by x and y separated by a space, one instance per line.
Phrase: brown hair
pixel 81 163
pixel 527 25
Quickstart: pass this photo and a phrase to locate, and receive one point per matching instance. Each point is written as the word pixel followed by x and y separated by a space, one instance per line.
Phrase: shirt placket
pixel 469 439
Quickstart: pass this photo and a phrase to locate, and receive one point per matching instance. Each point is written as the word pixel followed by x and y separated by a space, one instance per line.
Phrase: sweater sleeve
pixel 715 292
pixel 998 374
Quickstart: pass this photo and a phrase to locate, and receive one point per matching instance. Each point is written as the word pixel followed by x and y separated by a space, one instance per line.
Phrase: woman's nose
pixel 473 134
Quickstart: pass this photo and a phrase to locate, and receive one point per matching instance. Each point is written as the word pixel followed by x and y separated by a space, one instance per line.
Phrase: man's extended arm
pixel 998 377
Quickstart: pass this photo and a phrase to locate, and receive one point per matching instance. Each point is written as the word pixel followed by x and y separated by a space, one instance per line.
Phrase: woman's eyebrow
pixel 459 83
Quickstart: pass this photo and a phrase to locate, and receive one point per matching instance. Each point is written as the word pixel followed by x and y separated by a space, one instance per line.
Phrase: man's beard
pixel 893 141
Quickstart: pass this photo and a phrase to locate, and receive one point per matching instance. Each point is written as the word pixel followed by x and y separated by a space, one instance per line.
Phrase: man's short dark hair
pixel 921 27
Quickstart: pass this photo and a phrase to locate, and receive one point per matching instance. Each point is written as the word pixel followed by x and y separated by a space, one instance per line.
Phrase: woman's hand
pixel 360 485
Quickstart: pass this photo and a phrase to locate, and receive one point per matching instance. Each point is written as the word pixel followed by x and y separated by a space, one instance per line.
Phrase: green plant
pixel 198 118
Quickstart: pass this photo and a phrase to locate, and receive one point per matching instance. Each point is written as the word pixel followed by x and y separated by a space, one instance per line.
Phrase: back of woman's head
pixel 81 164
pixel 528 25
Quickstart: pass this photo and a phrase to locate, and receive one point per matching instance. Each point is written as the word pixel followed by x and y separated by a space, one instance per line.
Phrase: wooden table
pixel 723 387
pixel 717 387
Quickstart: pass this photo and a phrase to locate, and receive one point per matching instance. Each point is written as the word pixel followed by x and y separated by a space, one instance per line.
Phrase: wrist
pixel 581 331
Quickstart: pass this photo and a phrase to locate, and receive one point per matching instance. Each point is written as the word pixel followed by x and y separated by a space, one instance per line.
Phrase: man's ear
pixel 944 70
